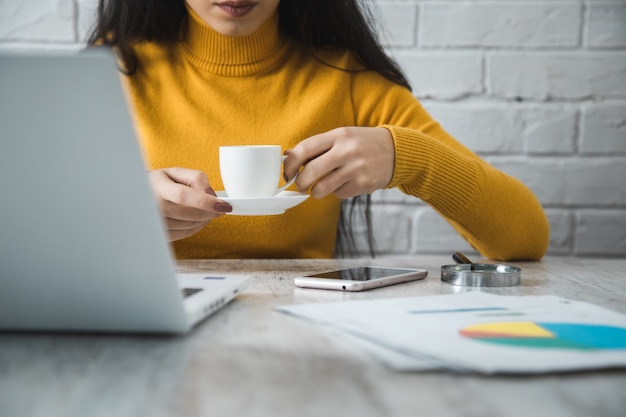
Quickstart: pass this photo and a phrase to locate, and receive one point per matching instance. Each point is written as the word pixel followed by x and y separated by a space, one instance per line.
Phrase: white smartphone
pixel 360 278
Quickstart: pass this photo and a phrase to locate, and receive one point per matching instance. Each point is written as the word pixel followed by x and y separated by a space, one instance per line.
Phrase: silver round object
pixel 480 275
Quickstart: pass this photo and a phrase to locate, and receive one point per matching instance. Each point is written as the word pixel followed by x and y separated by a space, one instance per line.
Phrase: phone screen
pixel 362 273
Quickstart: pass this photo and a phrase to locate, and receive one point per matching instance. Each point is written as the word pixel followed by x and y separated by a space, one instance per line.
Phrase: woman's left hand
pixel 346 161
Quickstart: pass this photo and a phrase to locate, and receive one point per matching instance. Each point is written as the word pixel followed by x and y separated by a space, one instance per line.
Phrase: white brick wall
pixel 537 87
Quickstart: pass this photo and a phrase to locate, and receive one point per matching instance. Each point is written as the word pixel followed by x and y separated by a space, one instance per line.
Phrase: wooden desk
pixel 249 360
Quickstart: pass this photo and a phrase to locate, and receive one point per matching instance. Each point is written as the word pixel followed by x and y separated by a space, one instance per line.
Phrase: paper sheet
pixel 479 332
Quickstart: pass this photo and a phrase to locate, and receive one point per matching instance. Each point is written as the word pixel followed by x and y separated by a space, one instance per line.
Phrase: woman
pixel 308 75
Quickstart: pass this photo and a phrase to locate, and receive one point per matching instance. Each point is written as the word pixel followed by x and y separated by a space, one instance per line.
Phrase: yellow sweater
pixel 211 90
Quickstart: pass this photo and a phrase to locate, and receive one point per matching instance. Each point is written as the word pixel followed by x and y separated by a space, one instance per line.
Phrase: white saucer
pixel 263 206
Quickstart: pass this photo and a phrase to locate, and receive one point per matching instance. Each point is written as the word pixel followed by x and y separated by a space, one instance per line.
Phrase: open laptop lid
pixel 79 227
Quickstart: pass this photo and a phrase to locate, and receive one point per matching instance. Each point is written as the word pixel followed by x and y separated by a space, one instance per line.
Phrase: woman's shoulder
pixel 338 57
pixel 350 66
pixel 153 56
pixel 146 50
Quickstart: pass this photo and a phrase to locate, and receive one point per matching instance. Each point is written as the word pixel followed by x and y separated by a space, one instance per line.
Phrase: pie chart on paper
pixel 544 335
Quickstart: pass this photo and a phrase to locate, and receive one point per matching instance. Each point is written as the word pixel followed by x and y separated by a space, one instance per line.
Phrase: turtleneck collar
pixel 232 55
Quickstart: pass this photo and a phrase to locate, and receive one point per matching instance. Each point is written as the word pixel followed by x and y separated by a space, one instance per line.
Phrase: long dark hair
pixel 347 24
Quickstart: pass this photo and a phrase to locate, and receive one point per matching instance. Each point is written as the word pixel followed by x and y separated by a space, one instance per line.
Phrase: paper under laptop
pixel 82 243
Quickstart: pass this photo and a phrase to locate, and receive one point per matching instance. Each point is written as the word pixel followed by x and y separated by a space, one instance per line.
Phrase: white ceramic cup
pixel 252 171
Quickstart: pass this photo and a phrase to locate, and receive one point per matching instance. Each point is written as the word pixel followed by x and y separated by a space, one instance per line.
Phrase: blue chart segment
pixel 549 335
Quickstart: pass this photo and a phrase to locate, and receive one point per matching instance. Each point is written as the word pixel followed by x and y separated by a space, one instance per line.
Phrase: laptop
pixel 83 247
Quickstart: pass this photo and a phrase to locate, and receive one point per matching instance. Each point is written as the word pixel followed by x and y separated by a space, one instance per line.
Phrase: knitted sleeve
pixel 496 213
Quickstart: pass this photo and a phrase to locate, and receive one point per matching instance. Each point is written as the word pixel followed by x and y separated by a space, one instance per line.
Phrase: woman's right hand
pixel 186 199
